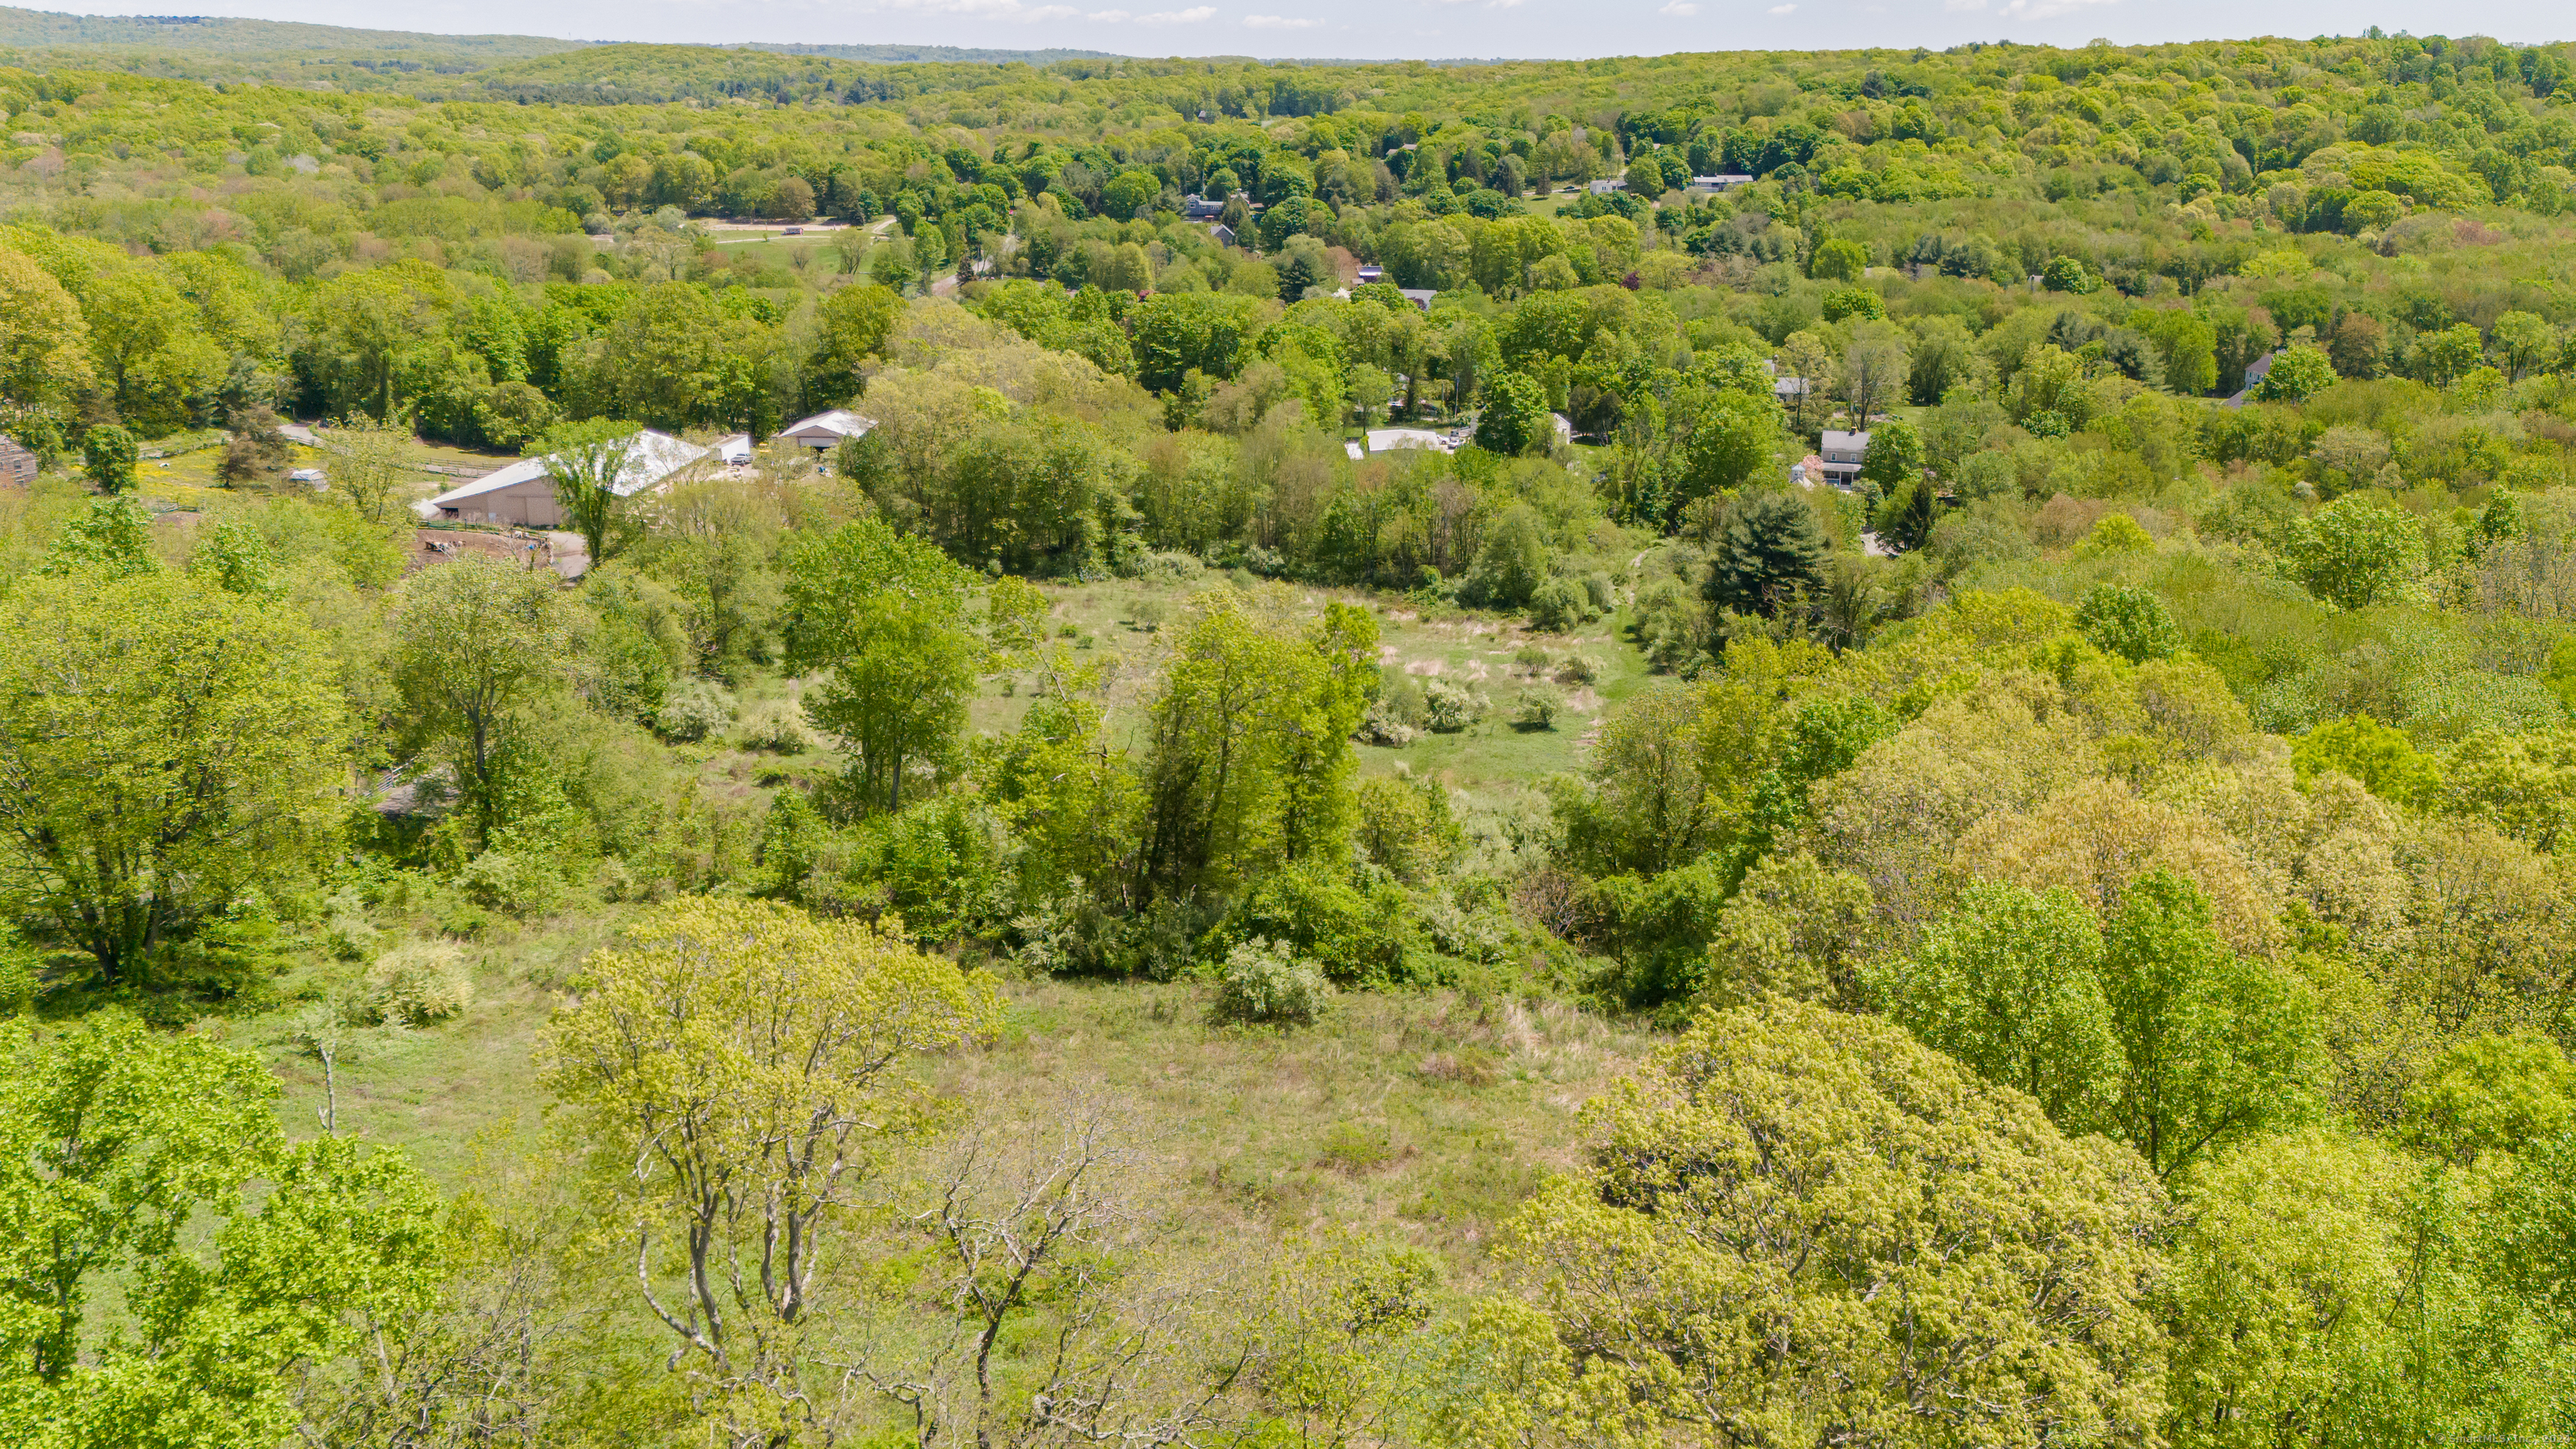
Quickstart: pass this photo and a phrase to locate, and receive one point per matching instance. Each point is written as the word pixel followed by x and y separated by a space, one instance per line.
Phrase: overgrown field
pixel 1101 911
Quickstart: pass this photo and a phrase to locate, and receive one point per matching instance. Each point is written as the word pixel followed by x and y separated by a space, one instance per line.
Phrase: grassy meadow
pixel 1428 1115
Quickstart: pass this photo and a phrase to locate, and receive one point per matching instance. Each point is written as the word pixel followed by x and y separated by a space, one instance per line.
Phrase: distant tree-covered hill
pixel 219 35
pixel 904 54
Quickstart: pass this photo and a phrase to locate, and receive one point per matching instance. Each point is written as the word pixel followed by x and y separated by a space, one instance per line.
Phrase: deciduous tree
pixel 2217 1047
pixel 110 454
pixel 585 461
pixel 150 1167
pixel 165 746
pixel 44 355
pixel 2009 983
pixel 886 614
pixel 1776 1202
pixel 478 645
pixel 742 1070
pixel 1515 418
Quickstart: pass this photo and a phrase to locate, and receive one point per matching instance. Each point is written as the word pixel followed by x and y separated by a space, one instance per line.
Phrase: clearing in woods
pixel 1430 1114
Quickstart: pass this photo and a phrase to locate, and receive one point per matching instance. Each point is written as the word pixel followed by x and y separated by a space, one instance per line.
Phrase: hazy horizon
pixel 1410 29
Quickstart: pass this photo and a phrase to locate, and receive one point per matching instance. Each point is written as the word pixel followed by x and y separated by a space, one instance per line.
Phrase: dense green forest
pixel 1116 906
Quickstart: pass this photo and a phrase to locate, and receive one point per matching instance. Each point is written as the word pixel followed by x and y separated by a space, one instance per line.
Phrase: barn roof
pixel 650 458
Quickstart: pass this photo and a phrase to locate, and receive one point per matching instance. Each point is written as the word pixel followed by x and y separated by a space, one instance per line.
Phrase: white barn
pixel 825 431
pixel 524 492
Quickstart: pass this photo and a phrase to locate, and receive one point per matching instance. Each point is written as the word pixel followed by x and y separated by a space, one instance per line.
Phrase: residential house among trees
pixel 1843 453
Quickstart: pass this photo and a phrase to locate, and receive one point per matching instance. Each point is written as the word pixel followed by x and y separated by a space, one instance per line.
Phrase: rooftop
pixel 1384 440
pixel 839 420
pixel 650 458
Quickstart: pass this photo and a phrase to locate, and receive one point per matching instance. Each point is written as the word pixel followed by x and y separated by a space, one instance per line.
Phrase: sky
pixel 1409 29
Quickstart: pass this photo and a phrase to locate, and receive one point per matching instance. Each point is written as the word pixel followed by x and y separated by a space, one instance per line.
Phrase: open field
pixel 1122 623
pixel 1427 1116
pixel 196 468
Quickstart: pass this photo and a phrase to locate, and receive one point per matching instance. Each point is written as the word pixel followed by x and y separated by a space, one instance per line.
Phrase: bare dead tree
pixel 486 1362
pixel 1056 1220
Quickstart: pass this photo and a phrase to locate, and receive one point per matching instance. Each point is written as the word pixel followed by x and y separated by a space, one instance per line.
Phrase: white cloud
pixel 1011 10
pixel 1002 9
pixel 1679 7
pixel 2046 9
pixel 1280 22
pixel 1191 16
pixel 1108 17
pixel 1782 9
pixel 1957 6
pixel 1488 4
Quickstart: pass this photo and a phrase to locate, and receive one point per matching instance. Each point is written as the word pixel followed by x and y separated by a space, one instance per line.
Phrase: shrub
pixel 457 916
pixel 1384 725
pixel 1360 930
pixel 413 985
pixel 1672 624
pixel 1559 604
pixel 346 932
pixel 1073 934
pixel 1147 615
pixel 1537 708
pixel 350 937
pixel 775 729
pixel 1449 708
pixel 1170 566
pixel 1357 1147
pixel 1531 657
pixel 1262 982
pixel 236 953
pixel 1405 826
pixel 516 883
pixel 2115 533
pixel 1402 696
pixel 1578 669
pixel 615 880
pixel 692 711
